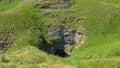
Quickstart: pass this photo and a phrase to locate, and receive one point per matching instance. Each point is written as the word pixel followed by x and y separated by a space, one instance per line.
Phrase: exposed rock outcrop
pixel 6 38
pixel 54 4
pixel 64 38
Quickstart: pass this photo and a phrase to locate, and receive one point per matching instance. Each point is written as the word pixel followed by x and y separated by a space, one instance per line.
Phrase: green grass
pixel 5 6
pixel 101 23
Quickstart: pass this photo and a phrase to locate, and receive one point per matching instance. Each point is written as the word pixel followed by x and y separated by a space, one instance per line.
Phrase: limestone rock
pixel 65 38
pixel 68 49
pixel 69 36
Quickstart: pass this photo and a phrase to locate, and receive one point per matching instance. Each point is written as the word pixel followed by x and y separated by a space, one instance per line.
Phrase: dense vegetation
pixel 101 23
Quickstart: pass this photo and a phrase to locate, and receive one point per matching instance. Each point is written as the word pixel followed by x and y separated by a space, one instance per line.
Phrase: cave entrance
pixel 61 53
pixel 62 43
pixel 52 48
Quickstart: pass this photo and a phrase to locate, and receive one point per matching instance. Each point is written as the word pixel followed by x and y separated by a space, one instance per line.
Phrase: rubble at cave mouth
pixel 64 41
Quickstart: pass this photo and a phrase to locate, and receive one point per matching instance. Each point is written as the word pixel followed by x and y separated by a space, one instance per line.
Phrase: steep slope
pixel 102 24
pixel 100 19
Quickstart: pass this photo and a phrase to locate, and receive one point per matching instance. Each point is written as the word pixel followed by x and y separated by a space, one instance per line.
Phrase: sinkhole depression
pixel 64 41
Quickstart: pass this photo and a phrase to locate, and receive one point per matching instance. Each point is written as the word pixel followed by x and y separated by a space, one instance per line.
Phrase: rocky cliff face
pixel 63 40
pixel 66 37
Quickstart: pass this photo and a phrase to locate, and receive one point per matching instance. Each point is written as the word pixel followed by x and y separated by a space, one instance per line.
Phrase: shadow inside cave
pixel 51 48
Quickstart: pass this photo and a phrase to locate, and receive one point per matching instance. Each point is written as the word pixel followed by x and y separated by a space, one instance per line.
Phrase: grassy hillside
pixel 101 23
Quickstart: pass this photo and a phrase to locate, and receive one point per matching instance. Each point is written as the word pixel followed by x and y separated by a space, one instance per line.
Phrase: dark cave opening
pixel 52 49
pixel 61 53
pixel 62 42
